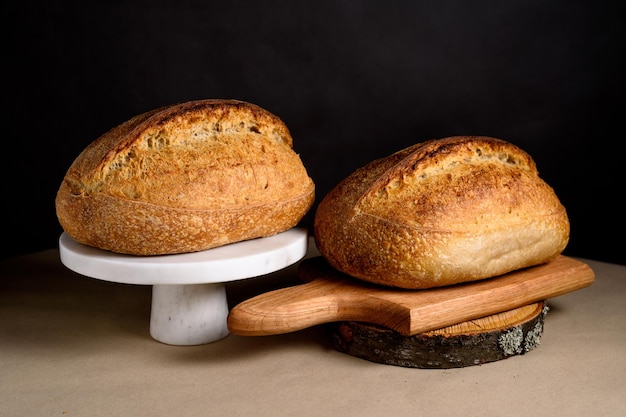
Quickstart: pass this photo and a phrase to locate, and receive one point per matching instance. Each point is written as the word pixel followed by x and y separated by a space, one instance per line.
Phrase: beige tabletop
pixel 77 346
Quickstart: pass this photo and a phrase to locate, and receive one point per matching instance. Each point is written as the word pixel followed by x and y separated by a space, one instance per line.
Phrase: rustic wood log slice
pixel 475 342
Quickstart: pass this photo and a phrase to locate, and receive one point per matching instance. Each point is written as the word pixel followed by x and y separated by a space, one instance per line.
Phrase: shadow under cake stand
pixel 189 304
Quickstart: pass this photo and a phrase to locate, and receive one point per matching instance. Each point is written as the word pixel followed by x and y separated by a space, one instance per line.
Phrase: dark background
pixel 353 80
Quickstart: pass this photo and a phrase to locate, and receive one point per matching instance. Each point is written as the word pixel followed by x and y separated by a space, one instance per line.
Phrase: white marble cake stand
pixel 189 305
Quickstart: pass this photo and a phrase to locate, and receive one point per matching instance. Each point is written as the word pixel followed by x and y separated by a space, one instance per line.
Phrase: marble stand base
pixel 189 304
pixel 188 314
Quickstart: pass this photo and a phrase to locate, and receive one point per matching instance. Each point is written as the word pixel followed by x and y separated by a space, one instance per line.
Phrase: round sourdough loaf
pixel 441 212
pixel 185 178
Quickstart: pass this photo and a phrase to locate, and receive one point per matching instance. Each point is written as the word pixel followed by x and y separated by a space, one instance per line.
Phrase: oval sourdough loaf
pixel 185 178
pixel 441 212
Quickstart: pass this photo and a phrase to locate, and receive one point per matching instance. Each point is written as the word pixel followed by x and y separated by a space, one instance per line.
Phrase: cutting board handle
pixel 328 296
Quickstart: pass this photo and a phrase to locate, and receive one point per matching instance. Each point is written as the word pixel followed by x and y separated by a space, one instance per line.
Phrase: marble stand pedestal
pixel 189 305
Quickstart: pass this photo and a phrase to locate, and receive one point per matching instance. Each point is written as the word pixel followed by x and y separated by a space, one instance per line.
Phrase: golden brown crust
pixel 185 178
pixel 441 212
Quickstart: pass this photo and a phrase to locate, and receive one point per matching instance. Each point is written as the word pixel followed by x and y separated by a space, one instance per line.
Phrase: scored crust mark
pixel 443 157
pixel 158 157
pixel 193 126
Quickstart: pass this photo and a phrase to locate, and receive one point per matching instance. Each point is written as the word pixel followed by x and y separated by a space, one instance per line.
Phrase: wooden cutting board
pixel 330 296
